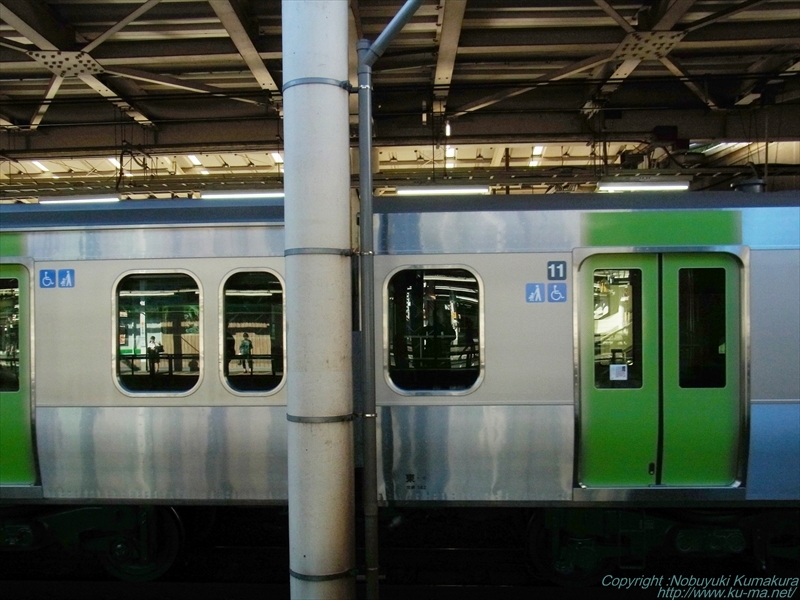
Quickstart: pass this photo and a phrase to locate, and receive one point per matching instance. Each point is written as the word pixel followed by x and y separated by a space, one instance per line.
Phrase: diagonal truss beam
pixel 33 20
pixel 115 28
pixel 611 12
pixel 173 82
pixel 232 23
pixel 568 71
pixel 52 90
pixel 724 14
pixel 673 15
pixel 117 100
pixel 676 69
pixel 453 17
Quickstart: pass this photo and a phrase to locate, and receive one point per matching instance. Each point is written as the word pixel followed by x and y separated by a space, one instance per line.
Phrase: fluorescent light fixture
pixel 39 165
pixel 533 163
pixel 442 191
pixel 449 152
pixel 447 130
pixel 450 164
pixel 242 195
pixel 204 172
pixel 643 184
pixel 95 200
pixel 276 156
pixel 114 162
pixel 537 150
pixel 194 160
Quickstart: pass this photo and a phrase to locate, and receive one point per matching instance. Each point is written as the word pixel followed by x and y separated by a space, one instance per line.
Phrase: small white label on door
pixel 618 372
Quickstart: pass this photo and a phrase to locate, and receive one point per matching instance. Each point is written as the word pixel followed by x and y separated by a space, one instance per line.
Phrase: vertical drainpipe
pixel 318 299
pixel 367 55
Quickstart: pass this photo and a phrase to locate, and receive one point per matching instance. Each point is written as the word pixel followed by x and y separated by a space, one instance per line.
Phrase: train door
pixel 660 370
pixel 17 466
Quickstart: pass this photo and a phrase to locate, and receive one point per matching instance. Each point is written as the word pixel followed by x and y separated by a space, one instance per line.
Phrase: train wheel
pixel 145 553
pixel 563 557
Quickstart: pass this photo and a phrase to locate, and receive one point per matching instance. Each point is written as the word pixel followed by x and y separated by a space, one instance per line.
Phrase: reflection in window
pixel 9 335
pixel 702 328
pixel 434 337
pixel 158 346
pixel 253 321
pixel 617 328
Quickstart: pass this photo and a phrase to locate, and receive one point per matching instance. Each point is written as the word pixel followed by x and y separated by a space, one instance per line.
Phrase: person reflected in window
pixel 246 353
pixel 230 351
pixel 153 354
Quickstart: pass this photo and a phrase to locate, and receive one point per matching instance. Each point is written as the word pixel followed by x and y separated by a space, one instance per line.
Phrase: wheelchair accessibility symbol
pixel 64 278
pixel 47 278
pixel 556 292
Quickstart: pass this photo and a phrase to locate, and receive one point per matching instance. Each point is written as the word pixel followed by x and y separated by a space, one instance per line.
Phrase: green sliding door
pixel 660 370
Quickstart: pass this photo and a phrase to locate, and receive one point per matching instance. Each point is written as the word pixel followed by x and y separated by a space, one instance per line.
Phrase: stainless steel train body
pixel 490 408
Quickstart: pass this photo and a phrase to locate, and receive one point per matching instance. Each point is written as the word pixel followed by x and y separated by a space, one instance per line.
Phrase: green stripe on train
pixel 11 244
pixel 662 228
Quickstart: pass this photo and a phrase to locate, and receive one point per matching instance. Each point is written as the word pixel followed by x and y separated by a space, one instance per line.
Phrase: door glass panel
pixel 158 332
pixel 253 360
pixel 701 328
pixel 617 328
pixel 9 334
pixel 434 317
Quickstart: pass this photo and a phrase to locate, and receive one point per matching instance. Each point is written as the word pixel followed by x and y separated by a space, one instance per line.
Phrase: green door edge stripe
pixel 17 465
pixel 662 228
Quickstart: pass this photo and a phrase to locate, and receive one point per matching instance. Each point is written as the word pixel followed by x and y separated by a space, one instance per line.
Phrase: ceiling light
pixel 642 184
pixel 78 200
pixel 537 150
pixel 115 162
pixel 39 165
pixel 437 191
pixel 276 156
pixel 533 163
pixel 194 160
pixel 243 195
pixel 204 172
pixel 447 129
pixel 450 152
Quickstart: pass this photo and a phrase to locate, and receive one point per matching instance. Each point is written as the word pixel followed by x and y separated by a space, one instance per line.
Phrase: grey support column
pixel 318 304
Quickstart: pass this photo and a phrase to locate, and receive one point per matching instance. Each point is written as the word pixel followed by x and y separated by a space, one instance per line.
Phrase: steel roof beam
pixel 174 82
pixel 33 20
pixel 232 22
pixel 723 14
pixel 452 18
pixel 115 98
pixel 677 69
pixel 673 15
pixel 130 18
pixel 52 90
pixel 573 69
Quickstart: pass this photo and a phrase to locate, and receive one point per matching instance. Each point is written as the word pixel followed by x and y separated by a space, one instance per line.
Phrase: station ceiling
pixel 538 95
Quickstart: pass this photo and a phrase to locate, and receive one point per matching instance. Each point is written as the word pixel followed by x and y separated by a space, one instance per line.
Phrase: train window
pixel 434 329
pixel 701 328
pixel 253 323
pixel 9 334
pixel 617 328
pixel 158 329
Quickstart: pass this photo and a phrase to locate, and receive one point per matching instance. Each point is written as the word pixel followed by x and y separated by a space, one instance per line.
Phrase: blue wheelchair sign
pixel 47 278
pixel 556 292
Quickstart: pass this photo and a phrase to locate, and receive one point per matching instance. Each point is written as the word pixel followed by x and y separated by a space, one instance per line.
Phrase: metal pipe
pixel 367 55
pixel 318 294
pixel 378 47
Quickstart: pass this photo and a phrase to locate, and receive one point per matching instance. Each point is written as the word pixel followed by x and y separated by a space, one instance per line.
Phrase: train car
pixel 538 352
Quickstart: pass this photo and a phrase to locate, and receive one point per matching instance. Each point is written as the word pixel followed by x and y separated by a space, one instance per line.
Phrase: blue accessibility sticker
pixel 47 278
pixel 556 292
pixel 534 292
pixel 66 278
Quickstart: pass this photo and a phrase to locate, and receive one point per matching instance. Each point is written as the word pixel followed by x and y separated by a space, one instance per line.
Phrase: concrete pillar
pixel 318 302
